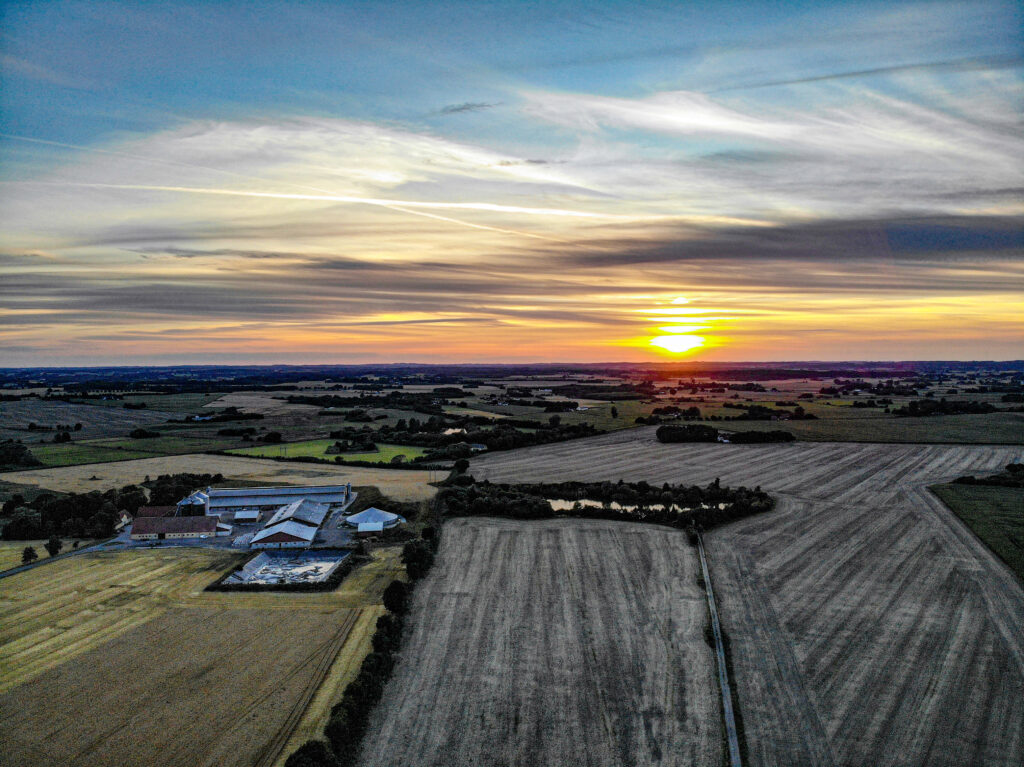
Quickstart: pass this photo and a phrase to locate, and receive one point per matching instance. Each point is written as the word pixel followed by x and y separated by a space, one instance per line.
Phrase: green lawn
pixel 75 453
pixel 995 514
pixel 317 448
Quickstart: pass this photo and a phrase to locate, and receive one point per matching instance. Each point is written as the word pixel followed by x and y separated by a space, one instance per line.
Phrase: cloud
pixel 468 106
pixel 12 66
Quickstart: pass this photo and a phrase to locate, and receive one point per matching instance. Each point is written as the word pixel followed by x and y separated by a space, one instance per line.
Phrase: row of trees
pixel 349 718
pixel 927 407
pixel 93 514
pixel 1011 476
pixel 15 455
pixel 704 433
pixel 683 506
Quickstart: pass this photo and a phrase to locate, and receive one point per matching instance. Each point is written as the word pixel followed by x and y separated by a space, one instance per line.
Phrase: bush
pixel 396 597
pixel 312 753
pixel 690 433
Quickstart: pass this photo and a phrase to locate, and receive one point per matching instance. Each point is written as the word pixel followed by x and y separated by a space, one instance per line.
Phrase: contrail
pixel 174 163
pixel 378 201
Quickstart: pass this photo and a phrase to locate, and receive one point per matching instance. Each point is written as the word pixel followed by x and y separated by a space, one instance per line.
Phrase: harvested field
pixel 10 552
pixel 267 403
pixel 403 485
pixel 88 644
pixel 553 643
pixel 868 625
pixel 54 612
pixel 96 421
pixel 193 686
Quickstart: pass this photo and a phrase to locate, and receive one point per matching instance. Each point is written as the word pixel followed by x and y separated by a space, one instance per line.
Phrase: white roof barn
pixel 288 533
pixel 224 499
pixel 374 515
pixel 306 511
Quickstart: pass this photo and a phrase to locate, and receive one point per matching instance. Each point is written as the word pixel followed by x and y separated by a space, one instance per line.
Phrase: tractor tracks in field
pixel 728 715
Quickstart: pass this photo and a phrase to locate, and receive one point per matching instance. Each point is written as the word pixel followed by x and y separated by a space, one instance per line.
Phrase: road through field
pixel 553 643
pixel 868 625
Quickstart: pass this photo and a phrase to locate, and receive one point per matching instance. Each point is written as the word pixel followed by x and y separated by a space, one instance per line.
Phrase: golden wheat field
pixel 404 485
pixel 122 658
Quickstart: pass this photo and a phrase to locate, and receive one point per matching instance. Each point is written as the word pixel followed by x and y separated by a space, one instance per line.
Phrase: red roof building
pixel 159 528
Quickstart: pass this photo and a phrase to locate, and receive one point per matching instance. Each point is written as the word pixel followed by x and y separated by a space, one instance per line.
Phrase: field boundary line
pixel 723 673
pixel 40 562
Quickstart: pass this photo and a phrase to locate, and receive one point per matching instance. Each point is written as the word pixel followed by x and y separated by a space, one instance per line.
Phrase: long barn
pixel 223 500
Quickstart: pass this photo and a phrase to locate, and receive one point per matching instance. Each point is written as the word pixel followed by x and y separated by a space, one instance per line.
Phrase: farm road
pixel 868 625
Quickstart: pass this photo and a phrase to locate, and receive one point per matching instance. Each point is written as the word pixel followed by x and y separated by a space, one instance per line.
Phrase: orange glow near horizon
pixel 677 344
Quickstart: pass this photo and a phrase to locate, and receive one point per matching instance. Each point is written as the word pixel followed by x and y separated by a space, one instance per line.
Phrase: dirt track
pixel 554 643
pixel 868 625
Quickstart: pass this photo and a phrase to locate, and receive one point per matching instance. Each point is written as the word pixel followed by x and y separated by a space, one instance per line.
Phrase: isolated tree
pixel 53 546
pixel 461 466
pixel 28 556
pixel 615 412
pixel 78 427
pixel 555 420
pixel 396 597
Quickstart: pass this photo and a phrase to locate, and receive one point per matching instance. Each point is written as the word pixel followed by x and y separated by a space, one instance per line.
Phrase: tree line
pixel 350 716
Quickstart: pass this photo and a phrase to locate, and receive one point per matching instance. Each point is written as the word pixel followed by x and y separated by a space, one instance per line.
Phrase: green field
pixel 75 453
pixel 317 448
pixel 995 514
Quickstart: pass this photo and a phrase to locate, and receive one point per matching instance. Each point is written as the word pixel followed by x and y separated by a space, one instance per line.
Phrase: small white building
pixel 374 516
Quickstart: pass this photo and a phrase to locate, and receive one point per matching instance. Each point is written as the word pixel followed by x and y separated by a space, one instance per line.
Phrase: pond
pixel 561 504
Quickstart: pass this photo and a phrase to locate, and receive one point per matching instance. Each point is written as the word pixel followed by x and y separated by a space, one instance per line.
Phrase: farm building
pixel 284 535
pixel 171 528
pixel 306 511
pixel 374 520
pixel 234 499
pixel 247 516
pixel 123 520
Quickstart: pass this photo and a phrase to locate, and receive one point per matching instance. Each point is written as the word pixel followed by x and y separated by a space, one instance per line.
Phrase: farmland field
pixel 995 514
pixel 122 658
pixel 868 625
pixel 317 448
pixel 857 425
pixel 96 421
pixel 10 552
pixel 403 485
pixel 553 643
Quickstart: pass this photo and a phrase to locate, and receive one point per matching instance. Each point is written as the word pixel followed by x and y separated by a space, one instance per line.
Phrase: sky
pixel 271 182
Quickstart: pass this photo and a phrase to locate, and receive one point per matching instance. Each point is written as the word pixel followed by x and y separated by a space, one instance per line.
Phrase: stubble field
pixel 403 485
pixel 553 642
pixel 868 625
pixel 122 658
